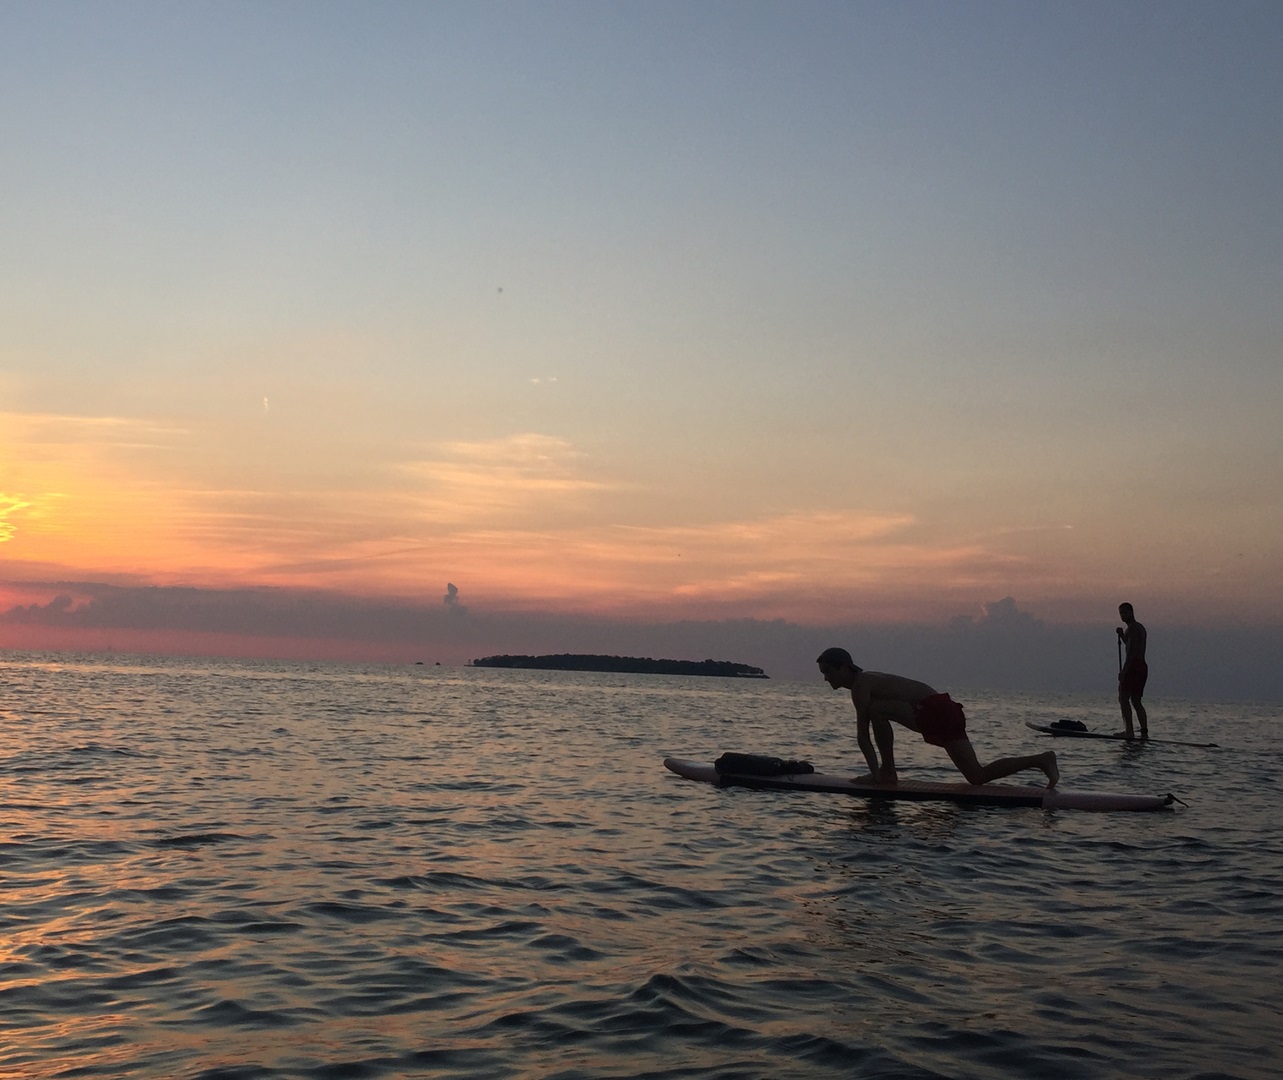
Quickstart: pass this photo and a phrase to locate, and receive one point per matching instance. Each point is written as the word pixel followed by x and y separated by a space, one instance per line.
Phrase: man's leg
pixel 1124 703
pixel 963 755
pixel 1141 715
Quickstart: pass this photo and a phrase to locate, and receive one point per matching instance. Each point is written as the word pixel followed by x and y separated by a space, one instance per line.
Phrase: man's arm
pixel 884 734
pixel 883 772
pixel 866 745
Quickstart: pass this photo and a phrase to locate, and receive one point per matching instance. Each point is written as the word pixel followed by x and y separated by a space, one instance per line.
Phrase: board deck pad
pixel 919 790
pixel 1050 729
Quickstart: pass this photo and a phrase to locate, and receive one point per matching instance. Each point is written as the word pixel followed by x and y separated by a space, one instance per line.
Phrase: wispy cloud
pixel 10 507
pixel 523 474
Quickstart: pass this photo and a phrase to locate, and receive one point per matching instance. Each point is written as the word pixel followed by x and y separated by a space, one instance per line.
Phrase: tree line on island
pixel 643 665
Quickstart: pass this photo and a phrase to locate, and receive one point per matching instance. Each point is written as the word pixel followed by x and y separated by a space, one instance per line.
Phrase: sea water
pixel 225 869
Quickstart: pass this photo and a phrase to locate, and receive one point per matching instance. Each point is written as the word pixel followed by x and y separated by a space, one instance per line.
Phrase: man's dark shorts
pixel 940 720
pixel 1132 684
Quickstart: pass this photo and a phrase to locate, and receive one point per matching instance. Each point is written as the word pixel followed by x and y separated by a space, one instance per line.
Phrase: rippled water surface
pixel 235 870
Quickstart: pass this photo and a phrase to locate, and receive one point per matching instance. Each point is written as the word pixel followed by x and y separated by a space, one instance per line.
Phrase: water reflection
pixel 348 871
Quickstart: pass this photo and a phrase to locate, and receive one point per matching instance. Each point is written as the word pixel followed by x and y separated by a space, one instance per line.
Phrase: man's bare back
pixel 892 697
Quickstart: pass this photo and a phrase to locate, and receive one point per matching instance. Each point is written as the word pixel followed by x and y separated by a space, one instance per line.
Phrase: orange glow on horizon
pixel 91 500
pixel 520 524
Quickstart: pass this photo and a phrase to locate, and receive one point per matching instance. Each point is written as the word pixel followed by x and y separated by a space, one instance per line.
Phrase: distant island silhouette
pixel 643 665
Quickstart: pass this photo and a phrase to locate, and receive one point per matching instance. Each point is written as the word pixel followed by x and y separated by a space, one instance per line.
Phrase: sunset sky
pixel 635 314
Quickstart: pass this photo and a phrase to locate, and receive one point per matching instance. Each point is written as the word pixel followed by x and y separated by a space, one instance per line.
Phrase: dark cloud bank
pixel 1004 648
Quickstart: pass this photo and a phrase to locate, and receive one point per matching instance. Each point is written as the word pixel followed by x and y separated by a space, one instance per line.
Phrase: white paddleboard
pixel 971 794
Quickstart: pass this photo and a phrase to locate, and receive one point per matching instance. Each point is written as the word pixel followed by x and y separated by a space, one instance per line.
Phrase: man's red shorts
pixel 940 720
pixel 1133 681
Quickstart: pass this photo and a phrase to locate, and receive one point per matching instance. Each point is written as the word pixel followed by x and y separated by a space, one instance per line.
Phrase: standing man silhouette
pixel 1132 672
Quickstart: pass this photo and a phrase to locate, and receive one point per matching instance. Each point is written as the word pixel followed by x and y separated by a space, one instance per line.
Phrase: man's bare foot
pixel 1049 766
pixel 869 778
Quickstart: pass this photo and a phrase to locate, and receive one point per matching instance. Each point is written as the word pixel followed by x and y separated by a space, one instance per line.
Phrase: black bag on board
pixel 760 765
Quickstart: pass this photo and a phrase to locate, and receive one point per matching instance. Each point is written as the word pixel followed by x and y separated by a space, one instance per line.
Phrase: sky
pixel 393 331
